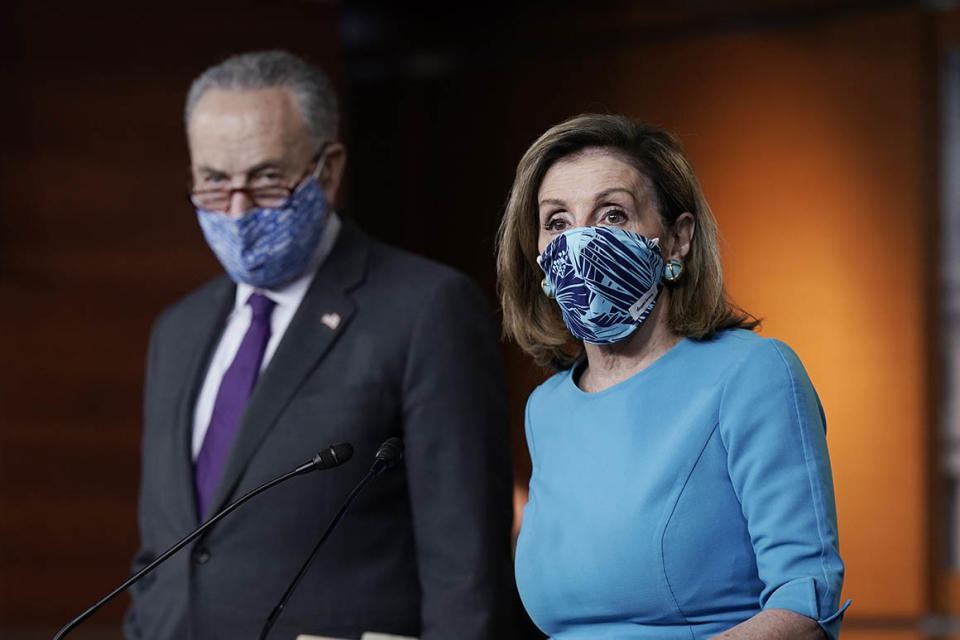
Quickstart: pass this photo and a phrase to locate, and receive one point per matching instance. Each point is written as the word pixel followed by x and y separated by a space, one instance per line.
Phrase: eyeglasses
pixel 269 195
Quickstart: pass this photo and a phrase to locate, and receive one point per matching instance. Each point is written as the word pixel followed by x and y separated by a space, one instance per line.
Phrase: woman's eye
pixel 615 216
pixel 555 224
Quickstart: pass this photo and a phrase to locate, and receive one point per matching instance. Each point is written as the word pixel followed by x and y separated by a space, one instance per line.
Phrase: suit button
pixel 201 555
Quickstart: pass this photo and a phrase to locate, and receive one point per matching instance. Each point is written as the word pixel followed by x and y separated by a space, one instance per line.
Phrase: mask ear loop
pixel 672 269
pixel 318 169
pixel 320 159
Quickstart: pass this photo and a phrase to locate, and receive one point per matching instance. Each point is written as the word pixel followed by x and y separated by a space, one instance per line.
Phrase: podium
pixel 367 635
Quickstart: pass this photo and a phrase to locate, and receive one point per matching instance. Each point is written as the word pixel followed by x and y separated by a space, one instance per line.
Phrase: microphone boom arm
pixel 321 461
pixel 388 456
pixel 277 610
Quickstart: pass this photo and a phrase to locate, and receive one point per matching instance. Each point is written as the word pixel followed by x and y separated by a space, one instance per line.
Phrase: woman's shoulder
pixel 738 354
pixel 557 383
pixel 736 345
pixel 729 341
pixel 753 365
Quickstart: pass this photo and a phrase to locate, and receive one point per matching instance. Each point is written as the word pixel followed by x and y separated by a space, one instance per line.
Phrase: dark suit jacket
pixel 425 550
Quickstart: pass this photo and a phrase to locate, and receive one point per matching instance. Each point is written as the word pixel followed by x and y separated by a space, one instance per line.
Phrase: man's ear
pixel 334 160
pixel 681 235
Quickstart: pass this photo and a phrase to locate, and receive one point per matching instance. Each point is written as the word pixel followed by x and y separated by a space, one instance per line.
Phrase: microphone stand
pixel 317 462
pixel 277 610
pixel 388 455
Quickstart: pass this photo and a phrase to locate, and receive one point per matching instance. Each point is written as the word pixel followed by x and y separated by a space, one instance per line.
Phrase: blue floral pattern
pixel 268 247
pixel 605 279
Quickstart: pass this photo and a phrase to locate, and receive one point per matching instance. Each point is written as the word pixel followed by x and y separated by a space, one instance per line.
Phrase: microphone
pixel 387 457
pixel 332 456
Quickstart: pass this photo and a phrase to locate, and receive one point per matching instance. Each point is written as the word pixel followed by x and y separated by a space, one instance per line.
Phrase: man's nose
pixel 240 203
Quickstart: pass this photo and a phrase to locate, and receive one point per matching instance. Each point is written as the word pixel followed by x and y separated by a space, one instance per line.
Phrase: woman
pixel 681 486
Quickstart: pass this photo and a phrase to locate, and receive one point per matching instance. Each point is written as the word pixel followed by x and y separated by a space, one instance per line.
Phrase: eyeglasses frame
pixel 314 167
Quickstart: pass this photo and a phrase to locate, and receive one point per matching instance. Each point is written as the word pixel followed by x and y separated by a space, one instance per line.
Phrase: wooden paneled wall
pixel 96 237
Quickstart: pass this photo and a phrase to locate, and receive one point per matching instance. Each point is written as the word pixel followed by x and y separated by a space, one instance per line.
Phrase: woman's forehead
pixel 594 169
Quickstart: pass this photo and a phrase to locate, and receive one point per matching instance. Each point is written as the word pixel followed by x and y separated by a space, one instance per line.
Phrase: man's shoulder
pixel 398 268
pixel 207 298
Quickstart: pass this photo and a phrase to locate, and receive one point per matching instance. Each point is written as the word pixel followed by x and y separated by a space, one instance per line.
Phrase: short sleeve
pixel 773 428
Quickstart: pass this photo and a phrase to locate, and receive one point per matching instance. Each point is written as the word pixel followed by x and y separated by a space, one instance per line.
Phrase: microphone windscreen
pixel 334 455
pixel 390 452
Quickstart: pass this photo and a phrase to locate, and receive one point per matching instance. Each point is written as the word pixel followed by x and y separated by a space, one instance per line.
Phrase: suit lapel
pixel 198 341
pixel 324 314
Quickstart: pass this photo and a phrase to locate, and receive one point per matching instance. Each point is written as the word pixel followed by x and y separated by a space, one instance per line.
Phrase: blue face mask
pixel 605 279
pixel 268 247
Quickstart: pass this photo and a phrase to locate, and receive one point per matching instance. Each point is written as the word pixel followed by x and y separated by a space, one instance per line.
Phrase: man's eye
pixel 267 179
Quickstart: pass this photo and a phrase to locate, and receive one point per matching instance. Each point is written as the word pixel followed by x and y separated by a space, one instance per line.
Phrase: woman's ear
pixel 681 235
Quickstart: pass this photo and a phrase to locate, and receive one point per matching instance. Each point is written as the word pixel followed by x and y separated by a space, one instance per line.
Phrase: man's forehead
pixel 232 129
pixel 268 101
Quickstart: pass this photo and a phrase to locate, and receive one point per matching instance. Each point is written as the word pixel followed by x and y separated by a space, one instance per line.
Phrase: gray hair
pixel 267 69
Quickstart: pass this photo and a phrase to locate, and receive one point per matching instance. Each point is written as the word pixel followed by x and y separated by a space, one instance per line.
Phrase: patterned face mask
pixel 605 279
pixel 267 247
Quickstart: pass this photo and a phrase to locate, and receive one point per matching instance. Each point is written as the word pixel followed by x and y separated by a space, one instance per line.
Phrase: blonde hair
pixel 699 305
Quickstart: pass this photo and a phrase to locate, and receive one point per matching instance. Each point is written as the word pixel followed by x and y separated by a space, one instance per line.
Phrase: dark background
pixel 438 104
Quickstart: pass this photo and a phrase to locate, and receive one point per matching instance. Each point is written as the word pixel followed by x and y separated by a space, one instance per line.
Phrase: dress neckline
pixel 573 375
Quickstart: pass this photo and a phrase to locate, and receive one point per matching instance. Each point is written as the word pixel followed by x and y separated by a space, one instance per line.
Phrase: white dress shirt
pixel 287 298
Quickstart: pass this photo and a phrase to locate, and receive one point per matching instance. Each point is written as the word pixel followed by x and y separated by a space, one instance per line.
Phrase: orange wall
pixel 816 177
pixel 827 242
pixel 810 145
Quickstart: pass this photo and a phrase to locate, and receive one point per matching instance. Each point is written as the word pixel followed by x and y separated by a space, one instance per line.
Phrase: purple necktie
pixel 231 400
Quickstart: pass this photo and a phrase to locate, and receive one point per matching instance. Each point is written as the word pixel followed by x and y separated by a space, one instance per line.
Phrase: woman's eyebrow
pixel 608 192
pixel 559 203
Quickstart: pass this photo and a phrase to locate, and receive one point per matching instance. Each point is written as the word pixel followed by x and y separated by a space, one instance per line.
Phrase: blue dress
pixel 681 501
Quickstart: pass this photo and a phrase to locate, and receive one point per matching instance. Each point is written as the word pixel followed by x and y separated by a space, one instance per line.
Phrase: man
pixel 319 335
